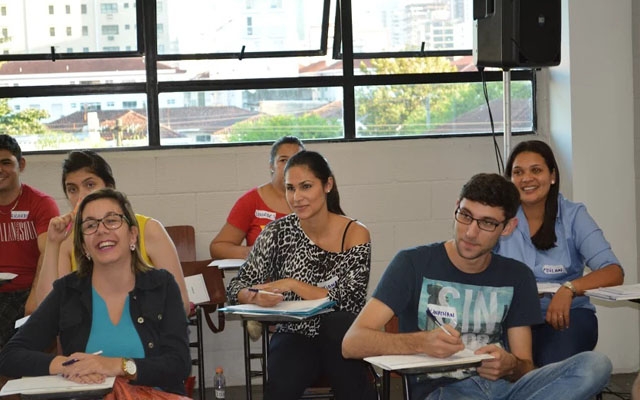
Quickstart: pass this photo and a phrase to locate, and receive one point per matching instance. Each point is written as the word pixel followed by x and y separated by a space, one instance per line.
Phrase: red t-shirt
pixel 250 214
pixel 19 231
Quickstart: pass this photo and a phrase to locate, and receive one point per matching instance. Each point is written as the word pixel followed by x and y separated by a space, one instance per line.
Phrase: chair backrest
pixel 184 238
pixel 212 279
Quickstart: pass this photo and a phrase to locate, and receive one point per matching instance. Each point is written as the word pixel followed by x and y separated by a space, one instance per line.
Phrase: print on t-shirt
pixel 476 311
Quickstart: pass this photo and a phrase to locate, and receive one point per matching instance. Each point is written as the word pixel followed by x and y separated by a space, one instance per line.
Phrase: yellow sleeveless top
pixel 142 222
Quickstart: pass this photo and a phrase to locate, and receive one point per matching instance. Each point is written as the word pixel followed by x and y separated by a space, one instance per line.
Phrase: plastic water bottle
pixel 219 384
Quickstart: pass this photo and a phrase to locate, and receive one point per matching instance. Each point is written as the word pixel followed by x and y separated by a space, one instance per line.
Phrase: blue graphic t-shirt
pixel 481 306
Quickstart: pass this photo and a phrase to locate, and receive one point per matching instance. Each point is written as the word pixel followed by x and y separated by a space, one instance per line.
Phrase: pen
pixel 263 291
pixel 75 360
pixel 437 321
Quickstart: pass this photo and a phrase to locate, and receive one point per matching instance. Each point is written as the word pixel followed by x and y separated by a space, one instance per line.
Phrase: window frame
pixel 348 81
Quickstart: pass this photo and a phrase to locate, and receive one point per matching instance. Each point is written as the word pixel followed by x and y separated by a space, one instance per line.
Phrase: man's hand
pixel 503 363
pixel 438 343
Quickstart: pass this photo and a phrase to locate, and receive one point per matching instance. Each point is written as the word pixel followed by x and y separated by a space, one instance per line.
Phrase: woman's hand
pixel 59 228
pixel 559 307
pixel 91 368
pixel 279 286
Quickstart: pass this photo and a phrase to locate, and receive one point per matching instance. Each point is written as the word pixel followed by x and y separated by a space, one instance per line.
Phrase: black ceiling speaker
pixel 516 33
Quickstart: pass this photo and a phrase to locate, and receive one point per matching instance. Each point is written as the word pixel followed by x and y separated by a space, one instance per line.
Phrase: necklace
pixel 15 204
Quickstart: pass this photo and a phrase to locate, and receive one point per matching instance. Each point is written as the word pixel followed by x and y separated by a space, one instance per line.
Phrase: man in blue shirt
pixel 485 302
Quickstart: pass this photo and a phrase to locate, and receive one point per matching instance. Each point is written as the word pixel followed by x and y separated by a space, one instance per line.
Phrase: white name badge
pixel 554 269
pixel 444 314
pixel 19 214
pixel 329 284
pixel 265 214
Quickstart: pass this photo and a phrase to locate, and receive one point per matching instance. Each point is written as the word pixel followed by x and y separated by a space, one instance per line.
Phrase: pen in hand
pixel 75 360
pixel 437 322
pixel 263 292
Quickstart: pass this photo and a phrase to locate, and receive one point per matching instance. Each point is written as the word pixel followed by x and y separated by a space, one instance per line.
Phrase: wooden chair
pixel 217 297
pixel 184 238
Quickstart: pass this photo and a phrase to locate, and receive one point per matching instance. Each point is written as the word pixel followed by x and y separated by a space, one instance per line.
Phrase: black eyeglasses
pixel 111 222
pixel 484 224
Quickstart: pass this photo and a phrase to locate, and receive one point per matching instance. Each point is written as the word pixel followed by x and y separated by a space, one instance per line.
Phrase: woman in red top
pixel 256 208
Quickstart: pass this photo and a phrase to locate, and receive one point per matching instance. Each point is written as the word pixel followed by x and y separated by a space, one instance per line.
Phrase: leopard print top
pixel 283 250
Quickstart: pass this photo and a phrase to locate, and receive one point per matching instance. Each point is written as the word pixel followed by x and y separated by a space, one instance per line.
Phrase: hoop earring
pixel 88 256
pixel 132 247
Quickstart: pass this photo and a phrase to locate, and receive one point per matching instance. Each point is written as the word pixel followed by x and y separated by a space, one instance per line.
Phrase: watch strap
pixel 570 286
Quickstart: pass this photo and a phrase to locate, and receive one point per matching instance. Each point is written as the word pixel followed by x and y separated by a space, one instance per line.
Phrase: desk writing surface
pixel 228 263
pixel 418 363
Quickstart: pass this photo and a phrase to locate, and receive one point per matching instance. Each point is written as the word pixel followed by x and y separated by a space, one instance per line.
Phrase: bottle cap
pixel 219 370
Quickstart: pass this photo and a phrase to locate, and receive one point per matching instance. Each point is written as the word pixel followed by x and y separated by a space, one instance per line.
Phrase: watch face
pixel 130 367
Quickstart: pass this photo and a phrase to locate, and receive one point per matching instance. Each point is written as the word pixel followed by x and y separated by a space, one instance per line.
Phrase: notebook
pixel 55 386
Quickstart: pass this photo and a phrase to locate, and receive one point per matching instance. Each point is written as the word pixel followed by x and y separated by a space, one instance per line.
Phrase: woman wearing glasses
pixel 83 172
pixel 556 238
pixel 114 304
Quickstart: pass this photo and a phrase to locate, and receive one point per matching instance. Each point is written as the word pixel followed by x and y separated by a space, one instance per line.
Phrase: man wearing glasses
pixel 458 294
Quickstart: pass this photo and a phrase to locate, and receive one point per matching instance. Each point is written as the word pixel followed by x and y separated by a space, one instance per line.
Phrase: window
pixel 50 10
pixel 5 33
pixel 3 11
pixel 246 71
pixel 67 9
pixel 110 29
pixel 109 8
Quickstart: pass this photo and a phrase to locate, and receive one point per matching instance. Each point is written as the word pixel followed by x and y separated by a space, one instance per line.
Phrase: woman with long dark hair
pixel 313 253
pixel 557 238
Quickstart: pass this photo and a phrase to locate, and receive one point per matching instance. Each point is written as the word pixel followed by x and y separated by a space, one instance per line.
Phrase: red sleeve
pixel 242 213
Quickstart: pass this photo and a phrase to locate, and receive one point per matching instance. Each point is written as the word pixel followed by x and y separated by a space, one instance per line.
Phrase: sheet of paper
pixel 396 362
pixel 50 384
pixel 228 263
pixel 613 293
pixel 196 289
pixel 7 276
pixel 548 287
pixel 20 322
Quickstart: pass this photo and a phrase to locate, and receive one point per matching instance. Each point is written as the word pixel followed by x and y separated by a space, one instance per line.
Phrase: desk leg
pixel 386 385
pixel 247 359
pixel 265 354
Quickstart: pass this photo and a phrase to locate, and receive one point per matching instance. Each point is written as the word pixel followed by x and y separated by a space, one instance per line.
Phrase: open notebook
pixel 41 387
pixel 613 293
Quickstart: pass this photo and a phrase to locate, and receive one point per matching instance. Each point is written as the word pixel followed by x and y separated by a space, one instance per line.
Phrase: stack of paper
pixel 55 384
pixel 299 308
pixel 463 358
pixel 612 293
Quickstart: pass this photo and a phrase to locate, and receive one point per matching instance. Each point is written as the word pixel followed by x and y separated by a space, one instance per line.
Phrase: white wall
pixel 404 191
pixel 592 131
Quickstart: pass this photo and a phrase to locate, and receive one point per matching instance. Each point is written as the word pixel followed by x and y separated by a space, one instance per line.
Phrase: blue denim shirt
pixel 579 242
pixel 156 311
